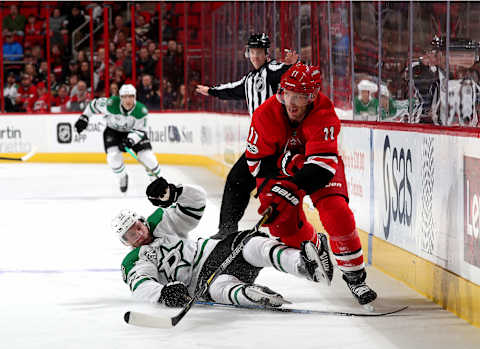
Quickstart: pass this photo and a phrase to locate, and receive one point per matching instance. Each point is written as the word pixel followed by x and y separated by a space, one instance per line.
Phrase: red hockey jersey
pixel 271 134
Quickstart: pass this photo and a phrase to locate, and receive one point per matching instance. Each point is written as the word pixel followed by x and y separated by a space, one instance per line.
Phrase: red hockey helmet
pixel 301 78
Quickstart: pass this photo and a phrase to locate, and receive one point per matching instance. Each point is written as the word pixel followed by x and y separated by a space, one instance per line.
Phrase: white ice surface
pixel 61 287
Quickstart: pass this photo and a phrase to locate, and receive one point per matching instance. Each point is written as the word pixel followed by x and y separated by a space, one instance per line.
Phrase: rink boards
pixel 415 195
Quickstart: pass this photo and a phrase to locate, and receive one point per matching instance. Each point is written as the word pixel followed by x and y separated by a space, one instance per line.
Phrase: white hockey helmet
pixel 123 221
pixel 367 85
pixel 127 90
pixel 384 91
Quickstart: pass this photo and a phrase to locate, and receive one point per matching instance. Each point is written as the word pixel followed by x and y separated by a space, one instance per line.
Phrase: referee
pixel 255 88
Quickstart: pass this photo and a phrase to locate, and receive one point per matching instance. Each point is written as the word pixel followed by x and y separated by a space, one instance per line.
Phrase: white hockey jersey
pixel 171 256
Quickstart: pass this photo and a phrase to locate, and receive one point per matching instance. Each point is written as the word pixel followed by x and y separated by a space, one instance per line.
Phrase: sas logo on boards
pixel 397 186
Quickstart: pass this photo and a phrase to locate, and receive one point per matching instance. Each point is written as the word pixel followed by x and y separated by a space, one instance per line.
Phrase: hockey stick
pixel 130 151
pixel 139 319
pixel 23 158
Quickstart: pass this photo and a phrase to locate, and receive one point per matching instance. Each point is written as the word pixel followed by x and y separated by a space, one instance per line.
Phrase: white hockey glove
pixel 174 294
pixel 163 194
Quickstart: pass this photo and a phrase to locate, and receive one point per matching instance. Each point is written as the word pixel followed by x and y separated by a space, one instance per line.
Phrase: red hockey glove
pixel 284 197
pixel 289 163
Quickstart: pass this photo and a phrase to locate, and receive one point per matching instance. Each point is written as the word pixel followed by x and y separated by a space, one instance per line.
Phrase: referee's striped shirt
pixel 255 87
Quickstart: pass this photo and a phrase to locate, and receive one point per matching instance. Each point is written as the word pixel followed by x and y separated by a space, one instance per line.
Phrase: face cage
pixel 310 98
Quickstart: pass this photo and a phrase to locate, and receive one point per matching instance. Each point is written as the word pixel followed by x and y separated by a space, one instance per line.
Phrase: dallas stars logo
pixel 171 260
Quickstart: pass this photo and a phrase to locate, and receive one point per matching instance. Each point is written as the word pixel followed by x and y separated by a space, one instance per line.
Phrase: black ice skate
pixel 356 283
pixel 124 183
pixel 319 266
pixel 263 296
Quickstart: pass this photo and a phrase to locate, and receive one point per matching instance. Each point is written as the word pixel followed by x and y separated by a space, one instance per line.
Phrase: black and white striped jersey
pixel 255 87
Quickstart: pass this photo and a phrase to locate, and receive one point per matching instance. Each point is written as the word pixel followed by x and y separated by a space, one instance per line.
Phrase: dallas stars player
pixel 167 267
pixel 126 127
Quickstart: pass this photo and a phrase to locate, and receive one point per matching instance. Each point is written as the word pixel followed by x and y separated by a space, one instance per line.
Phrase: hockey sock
pixel 339 222
pixel 149 159
pixel 115 161
pixel 265 252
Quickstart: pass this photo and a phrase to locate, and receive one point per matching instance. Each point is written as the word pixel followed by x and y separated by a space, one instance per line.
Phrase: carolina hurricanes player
pixel 292 152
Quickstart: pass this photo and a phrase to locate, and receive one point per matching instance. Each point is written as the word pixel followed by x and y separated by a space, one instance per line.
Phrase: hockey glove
pixel 163 194
pixel 127 143
pixel 81 123
pixel 283 197
pixel 174 294
pixel 290 164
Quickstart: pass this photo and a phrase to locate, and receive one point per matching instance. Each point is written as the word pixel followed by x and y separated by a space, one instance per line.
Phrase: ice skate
pixel 356 283
pixel 318 265
pixel 124 183
pixel 263 296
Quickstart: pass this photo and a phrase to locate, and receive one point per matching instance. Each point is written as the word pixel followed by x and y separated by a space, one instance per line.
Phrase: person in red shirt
pixel 40 105
pixel 62 98
pixel 27 93
pixel 292 152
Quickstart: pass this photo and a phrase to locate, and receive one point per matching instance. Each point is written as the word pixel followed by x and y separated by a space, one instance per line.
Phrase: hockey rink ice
pixel 61 285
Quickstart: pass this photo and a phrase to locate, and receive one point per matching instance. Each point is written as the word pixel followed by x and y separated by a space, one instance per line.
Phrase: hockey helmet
pixel 123 221
pixel 127 90
pixel 258 41
pixel 367 85
pixel 302 79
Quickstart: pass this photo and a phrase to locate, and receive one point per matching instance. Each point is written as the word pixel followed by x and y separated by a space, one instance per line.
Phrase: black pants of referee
pixel 236 195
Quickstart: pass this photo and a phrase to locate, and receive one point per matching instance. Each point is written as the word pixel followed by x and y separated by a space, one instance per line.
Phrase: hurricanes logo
pixel 259 84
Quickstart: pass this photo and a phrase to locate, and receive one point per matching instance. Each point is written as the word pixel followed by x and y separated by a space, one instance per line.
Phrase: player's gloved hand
pixel 174 294
pixel 127 142
pixel 290 163
pixel 81 123
pixel 163 194
pixel 283 197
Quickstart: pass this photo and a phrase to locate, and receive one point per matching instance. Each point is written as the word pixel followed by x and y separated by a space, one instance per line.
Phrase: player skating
pixel 167 267
pixel 292 151
pixel 126 120
pixel 255 88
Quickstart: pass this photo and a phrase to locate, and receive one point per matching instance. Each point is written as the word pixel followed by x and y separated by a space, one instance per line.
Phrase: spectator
pixel 168 33
pixel 59 69
pixel 14 22
pixel 30 70
pixel 118 76
pixel 34 31
pixel 119 26
pixel 170 69
pixel 142 29
pixel 72 83
pixel 114 89
pixel 27 94
pixel 123 61
pixel 54 85
pixel 62 98
pixel 10 92
pixel 40 104
pixel 151 47
pixel 12 50
pixel 80 99
pixel 145 63
pixel 146 93
pixel 365 105
pixel 57 21
pixel 181 97
pixel 84 73
pixel 73 67
pixel 170 96
pixel 37 54
pixel 75 19
pixel 81 57
pixel 42 71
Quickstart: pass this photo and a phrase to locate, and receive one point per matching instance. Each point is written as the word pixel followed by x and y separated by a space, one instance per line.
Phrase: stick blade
pixel 145 320
pixel 29 154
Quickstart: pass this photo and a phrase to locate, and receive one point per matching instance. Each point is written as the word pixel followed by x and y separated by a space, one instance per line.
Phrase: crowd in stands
pixel 72 84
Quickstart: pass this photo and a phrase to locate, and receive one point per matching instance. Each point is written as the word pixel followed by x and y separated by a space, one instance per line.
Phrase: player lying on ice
pixel 167 267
